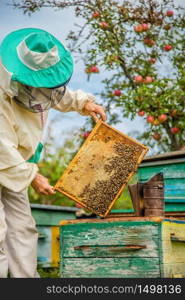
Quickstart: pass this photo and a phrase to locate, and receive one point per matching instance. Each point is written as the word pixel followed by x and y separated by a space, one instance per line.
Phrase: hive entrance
pixel 98 173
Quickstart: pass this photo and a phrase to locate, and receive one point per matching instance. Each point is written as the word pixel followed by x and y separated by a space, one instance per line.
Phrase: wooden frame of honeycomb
pixel 100 170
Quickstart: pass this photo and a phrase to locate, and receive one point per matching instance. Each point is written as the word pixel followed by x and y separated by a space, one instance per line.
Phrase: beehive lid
pixel 98 173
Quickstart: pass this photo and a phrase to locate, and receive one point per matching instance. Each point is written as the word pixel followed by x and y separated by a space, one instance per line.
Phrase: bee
pixel 99 196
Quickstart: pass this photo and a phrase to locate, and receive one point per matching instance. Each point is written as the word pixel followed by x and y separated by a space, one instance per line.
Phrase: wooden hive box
pixel 100 170
pixel 172 165
pixel 123 247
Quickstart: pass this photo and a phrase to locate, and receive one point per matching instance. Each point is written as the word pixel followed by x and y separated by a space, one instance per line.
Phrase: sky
pixel 59 23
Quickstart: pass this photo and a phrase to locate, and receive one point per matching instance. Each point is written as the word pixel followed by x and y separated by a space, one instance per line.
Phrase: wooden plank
pixel 176 214
pixel 130 220
pixel 110 267
pixel 173 252
pixel 51 217
pixel 44 255
pixel 175 207
pixel 35 206
pixel 174 270
pixel 162 162
pixel 131 248
pixel 177 200
pixel 127 213
pixel 180 199
pixel 110 240
pixel 174 154
pixel 85 224
pixel 174 172
pixel 55 246
pixel 175 187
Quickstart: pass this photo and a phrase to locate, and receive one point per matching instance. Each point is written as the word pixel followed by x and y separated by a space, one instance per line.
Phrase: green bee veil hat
pixel 35 58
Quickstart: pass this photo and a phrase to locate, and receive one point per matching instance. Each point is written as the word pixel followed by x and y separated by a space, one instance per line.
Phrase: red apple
pixel 148 79
pixel 96 14
pixel 149 42
pixel 85 134
pixel 94 69
pixel 152 60
pixel 174 130
pixel 156 136
pixel 169 13
pixel 117 93
pixel 138 78
pixel 138 28
pixel 162 118
pixel 150 119
pixel 104 25
pixel 141 113
pixel 167 47
pixel 145 27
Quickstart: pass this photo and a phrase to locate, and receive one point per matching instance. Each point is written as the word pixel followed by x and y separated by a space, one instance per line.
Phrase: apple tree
pixel 140 48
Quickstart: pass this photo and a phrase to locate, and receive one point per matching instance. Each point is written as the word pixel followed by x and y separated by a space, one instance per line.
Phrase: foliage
pixel 124 201
pixel 140 46
pixel 53 163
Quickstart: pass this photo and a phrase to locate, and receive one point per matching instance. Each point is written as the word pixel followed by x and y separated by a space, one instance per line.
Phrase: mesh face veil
pixel 38 99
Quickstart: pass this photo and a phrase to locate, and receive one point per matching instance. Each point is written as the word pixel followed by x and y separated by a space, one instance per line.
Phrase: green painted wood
pixel 120 250
pixel 44 247
pixel 107 223
pixel 119 211
pixel 174 180
pixel 110 267
pixel 104 255
pixel 174 207
pixel 110 240
pixel 51 217
pixel 172 171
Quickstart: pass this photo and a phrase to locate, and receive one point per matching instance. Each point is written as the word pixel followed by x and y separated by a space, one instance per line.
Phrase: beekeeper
pixel 35 68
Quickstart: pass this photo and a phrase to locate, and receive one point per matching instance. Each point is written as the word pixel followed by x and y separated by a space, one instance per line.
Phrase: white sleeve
pixel 15 173
pixel 19 177
pixel 74 101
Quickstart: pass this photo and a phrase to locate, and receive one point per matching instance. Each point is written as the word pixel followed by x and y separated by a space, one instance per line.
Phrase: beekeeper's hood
pixel 34 58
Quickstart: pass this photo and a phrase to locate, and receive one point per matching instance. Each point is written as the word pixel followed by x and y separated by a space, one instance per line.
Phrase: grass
pixel 49 272
pixel 124 201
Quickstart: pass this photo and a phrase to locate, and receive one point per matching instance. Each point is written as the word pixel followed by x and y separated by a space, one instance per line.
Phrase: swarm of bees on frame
pixel 99 196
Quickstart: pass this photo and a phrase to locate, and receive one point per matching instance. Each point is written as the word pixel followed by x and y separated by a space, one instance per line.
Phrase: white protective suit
pixel 20 135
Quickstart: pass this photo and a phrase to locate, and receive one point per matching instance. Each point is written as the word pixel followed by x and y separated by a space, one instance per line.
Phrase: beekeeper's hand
pixel 94 110
pixel 41 185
